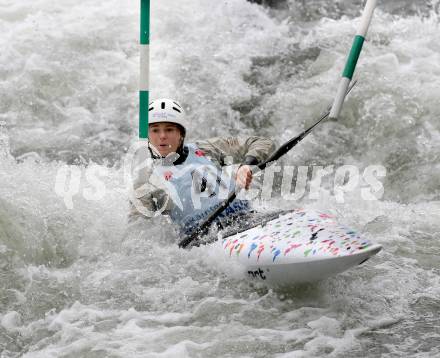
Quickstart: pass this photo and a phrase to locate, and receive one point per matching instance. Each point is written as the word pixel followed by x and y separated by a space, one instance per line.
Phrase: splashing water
pixel 83 282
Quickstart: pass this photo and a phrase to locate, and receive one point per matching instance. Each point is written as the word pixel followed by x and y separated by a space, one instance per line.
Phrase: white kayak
pixel 297 246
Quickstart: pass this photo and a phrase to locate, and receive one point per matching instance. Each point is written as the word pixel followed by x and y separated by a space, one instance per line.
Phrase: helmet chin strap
pixel 157 154
pixel 180 148
pixel 154 151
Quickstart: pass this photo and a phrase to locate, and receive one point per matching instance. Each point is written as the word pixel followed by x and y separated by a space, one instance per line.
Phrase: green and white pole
pixel 352 59
pixel 144 93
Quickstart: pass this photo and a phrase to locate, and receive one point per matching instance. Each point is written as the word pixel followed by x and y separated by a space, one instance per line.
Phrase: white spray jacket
pixel 190 190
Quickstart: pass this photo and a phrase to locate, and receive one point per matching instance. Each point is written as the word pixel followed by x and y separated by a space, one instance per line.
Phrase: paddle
pixel 274 156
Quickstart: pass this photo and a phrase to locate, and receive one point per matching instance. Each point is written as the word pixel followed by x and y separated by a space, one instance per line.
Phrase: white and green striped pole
pixel 352 59
pixel 145 69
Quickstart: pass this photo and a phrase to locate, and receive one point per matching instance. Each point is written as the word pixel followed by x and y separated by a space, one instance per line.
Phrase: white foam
pixel 11 321
pixel 69 82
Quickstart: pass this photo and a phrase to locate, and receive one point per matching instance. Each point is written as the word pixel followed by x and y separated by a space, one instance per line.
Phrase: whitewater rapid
pixel 78 280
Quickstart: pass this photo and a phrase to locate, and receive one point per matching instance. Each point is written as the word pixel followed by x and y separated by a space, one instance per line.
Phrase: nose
pixel 162 135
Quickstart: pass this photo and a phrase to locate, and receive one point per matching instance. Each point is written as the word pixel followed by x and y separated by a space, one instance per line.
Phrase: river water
pixel 76 280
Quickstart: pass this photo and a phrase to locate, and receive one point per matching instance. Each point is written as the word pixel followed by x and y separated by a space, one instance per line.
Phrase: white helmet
pixel 167 110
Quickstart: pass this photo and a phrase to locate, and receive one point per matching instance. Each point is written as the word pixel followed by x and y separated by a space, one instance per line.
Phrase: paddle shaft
pixel 286 147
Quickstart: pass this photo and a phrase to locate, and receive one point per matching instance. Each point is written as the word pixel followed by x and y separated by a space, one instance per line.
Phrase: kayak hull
pixel 296 247
pixel 308 271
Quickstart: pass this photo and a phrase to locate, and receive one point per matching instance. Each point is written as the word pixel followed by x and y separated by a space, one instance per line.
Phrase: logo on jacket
pixel 168 175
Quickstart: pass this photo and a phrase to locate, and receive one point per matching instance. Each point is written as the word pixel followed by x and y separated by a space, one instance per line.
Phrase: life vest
pixel 197 187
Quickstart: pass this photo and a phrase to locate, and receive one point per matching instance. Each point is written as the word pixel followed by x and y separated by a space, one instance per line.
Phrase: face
pixel 166 137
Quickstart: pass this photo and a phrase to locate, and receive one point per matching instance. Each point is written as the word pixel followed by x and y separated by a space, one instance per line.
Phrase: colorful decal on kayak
pixel 298 234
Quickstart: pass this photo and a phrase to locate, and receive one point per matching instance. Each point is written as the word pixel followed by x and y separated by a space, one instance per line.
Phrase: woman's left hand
pixel 244 176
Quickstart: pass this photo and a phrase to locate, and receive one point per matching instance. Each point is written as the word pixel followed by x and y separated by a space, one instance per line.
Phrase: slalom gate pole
pixel 353 58
pixel 144 69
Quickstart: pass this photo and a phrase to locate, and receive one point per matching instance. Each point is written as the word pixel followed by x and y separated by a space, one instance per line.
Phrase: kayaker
pixel 186 181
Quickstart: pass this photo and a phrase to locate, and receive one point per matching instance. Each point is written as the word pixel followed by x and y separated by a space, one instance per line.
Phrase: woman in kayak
pixel 186 181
